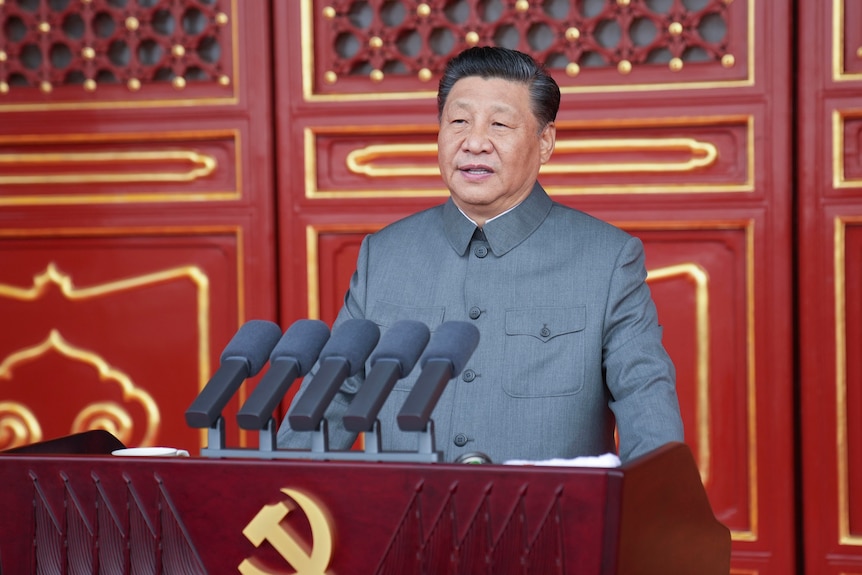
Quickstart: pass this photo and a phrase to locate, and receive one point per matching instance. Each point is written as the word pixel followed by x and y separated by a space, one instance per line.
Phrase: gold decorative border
pixel 699 276
pixel 203 166
pixel 838 40
pixel 747 226
pixel 206 165
pixel 845 537
pixel 52 275
pixel 144 102
pixel 203 323
pixel 307 58
pixel 113 417
pixel 839 178
pixel 703 154
pixel 313 232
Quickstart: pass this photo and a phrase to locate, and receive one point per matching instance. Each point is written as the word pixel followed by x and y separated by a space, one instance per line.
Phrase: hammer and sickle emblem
pixel 266 527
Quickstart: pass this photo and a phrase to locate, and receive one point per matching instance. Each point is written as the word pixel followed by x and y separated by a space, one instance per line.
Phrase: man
pixel 569 341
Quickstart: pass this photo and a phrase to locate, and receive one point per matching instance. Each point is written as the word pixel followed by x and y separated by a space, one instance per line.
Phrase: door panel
pixel 673 125
pixel 136 210
pixel 830 233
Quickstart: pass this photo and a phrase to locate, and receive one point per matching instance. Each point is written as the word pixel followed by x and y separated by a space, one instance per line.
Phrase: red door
pixel 136 202
pixel 674 125
pixel 829 175
pixel 168 170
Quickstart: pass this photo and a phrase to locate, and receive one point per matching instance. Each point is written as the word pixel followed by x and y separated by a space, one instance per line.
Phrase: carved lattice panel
pixel 385 47
pixel 131 49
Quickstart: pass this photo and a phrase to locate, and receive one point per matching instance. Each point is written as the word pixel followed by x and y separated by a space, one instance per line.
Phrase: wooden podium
pixel 70 507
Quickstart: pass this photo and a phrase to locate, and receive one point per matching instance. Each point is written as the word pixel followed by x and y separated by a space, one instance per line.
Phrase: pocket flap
pixel 545 323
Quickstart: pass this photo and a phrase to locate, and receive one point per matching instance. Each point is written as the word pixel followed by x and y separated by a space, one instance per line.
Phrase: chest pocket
pixel 544 351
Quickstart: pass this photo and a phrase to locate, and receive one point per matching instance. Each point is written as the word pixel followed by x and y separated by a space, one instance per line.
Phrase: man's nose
pixel 477 139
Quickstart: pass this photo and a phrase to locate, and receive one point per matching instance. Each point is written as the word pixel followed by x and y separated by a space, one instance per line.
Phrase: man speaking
pixel 570 347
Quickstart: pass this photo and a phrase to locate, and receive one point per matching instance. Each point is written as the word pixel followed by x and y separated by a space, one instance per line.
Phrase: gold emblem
pixel 266 526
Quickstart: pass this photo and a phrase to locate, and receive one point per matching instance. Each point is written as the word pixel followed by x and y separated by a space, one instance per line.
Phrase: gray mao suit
pixel 569 342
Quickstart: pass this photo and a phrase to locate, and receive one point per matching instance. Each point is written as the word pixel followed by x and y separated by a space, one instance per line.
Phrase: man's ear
pixel 548 139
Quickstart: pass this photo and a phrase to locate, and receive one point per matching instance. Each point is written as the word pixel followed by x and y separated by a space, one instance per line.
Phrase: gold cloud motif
pixel 121 426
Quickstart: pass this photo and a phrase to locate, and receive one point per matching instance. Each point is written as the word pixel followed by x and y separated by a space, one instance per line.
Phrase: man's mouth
pixel 476 170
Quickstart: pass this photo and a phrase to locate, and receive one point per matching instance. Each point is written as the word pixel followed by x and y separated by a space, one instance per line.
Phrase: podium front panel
pixel 105 514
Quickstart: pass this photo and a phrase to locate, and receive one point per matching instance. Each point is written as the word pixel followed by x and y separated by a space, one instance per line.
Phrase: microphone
pixel 393 359
pixel 244 356
pixel 292 357
pixel 450 347
pixel 342 356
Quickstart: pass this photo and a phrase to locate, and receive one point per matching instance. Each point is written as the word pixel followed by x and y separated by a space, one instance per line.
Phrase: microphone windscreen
pixel 252 343
pixel 302 342
pixel 352 341
pixel 403 342
pixel 454 341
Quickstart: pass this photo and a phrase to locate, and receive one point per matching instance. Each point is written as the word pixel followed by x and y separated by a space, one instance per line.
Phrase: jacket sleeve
pixel 638 370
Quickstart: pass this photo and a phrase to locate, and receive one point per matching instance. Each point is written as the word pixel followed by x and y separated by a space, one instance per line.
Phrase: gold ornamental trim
pixel 747 226
pixel 101 415
pixel 839 175
pixel 839 74
pixel 371 160
pixel 109 415
pixel 699 276
pixel 845 536
pixel 72 162
pixel 200 279
pixel 18 425
pixel 418 159
pixel 77 168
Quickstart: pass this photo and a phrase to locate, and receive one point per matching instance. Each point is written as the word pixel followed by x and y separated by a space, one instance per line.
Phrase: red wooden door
pixel 153 196
pixel 136 203
pixel 829 174
pixel 674 125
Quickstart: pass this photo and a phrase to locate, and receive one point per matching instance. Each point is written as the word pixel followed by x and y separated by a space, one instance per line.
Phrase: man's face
pixel 489 146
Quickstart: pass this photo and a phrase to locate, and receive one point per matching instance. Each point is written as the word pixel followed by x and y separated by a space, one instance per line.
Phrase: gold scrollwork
pixel 56 342
pixel 53 276
pixel 18 425
pixel 87 167
pixel 109 416
pixel 371 160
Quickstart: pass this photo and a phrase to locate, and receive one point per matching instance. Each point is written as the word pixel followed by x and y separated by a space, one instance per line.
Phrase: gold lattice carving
pixel 49 44
pixel 379 39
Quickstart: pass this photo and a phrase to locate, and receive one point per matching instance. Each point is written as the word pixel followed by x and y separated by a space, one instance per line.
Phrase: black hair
pixel 496 62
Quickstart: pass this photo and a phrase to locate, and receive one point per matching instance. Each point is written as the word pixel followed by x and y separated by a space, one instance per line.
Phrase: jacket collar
pixel 503 233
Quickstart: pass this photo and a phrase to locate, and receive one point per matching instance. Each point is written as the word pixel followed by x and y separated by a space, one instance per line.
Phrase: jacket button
pixel 545 332
pixel 469 375
pixel 460 440
pixel 480 251
pixel 475 312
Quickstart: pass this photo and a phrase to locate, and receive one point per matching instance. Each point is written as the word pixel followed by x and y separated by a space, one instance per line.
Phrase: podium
pixel 71 507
